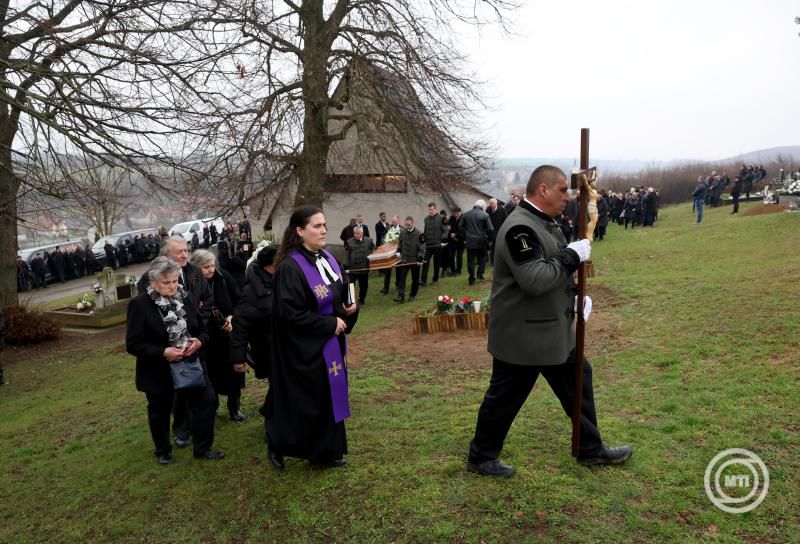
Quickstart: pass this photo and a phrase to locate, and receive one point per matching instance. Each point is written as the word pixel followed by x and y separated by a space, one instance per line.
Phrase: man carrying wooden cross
pixel 531 326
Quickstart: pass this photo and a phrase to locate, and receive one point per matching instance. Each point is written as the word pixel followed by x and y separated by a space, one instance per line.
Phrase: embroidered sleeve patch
pixel 523 244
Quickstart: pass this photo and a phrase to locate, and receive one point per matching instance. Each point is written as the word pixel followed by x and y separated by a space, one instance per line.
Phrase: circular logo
pixel 740 480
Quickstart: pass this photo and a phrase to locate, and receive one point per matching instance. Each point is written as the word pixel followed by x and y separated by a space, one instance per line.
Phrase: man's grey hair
pixel 202 257
pixel 162 266
pixel 176 238
pixel 358 229
pixel 481 203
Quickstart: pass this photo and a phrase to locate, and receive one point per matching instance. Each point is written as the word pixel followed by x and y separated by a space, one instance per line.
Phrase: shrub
pixel 26 326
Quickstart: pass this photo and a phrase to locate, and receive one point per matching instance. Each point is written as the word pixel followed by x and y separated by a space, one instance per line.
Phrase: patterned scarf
pixel 173 315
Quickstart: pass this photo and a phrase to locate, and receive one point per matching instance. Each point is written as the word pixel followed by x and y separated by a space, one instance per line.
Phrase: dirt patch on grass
pixel 766 209
pixel 439 350
pixel 467 350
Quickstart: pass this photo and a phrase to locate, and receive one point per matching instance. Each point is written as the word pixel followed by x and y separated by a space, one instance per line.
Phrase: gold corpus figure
pixel 590 186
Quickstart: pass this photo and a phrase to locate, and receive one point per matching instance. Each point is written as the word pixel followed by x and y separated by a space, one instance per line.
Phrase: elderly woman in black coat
pixel 226 296
pixel 252 318
pixel 164 327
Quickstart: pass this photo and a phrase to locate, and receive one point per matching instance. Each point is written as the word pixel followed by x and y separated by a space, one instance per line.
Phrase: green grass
pixel 694 342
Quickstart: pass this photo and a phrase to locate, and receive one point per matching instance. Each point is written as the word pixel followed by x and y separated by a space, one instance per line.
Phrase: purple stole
pixel 335 360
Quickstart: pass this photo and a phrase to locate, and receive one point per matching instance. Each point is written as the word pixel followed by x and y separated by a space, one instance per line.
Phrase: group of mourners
pixel 285 318
pixel 441 242
pixel 64 263
pixel 193 334
pixel 709 189
pixel 211 236
pixel 638 207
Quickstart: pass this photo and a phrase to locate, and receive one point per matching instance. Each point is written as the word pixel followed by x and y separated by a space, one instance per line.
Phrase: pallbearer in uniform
pixel 308 401
pixel 531 328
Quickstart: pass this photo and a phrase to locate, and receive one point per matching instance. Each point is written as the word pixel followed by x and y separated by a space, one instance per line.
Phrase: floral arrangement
pixel 464 306
pixel 261 245
pixel 97 288
pixel 444 304
pixel 84 303
pixel 392 235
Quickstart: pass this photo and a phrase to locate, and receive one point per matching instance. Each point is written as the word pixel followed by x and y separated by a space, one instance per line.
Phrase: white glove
pixel 582 247
pixel 587 306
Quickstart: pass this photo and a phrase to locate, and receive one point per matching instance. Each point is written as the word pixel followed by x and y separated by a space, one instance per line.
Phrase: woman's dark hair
pixel 291 240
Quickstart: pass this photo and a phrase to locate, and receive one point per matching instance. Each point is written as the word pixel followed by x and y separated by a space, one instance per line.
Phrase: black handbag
pixel 187 374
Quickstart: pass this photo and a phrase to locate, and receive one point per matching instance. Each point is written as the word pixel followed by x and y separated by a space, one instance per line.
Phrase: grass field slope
pixel 695 346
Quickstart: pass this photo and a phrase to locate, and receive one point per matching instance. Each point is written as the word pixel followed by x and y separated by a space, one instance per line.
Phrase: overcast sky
pixel 701 79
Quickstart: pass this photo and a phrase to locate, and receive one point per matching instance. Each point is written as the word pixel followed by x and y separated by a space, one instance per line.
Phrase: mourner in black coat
pixel 191 279
pixel 299 411
pixel 148 340
pixel 226 296
pixel 252 318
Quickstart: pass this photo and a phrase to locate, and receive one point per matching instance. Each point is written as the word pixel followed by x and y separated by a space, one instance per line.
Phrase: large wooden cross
pixel 580 329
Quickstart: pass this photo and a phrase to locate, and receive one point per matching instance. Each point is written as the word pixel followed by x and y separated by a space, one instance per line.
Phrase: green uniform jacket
pixel 533 292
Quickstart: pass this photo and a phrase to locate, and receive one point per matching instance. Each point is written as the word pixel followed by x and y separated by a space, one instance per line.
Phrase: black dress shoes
pixel 607 456
pixel 211 455
pixel 166 459
pixel 182 442
pixel 275 458
pixel 237 416
pixel 400 299
pixel 492 467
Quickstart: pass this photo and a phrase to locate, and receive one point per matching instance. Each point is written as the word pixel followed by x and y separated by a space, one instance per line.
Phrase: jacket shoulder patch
pixel 523 244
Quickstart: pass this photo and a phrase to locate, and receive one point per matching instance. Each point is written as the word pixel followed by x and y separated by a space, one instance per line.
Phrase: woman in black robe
pixel 299 413
pixel 251 337
pixel 226 295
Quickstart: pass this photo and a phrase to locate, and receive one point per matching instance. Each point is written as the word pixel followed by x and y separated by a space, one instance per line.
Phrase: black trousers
pixel 475 256
pixel 630 219
pixel 363 284
pixel 387 278
pixel 201 403
pixel 432 253
pixel 181 416
pixel 234 401
pixel 735 204
pixel 455 257
pixel 402 272
pixel 510 386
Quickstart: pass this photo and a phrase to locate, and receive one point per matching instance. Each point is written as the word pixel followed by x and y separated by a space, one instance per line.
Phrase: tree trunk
pixel 312 171
pixel 8 231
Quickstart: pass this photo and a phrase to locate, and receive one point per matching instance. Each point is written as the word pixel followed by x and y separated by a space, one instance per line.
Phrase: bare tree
pixel 308 61
pixel 102 194
pixel 129 82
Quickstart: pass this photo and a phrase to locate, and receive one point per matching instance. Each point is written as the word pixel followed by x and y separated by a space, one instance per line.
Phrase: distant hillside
pixel 767 155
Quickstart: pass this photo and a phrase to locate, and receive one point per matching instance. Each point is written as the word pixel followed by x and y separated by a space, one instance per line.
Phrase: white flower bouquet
pixel 392 235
